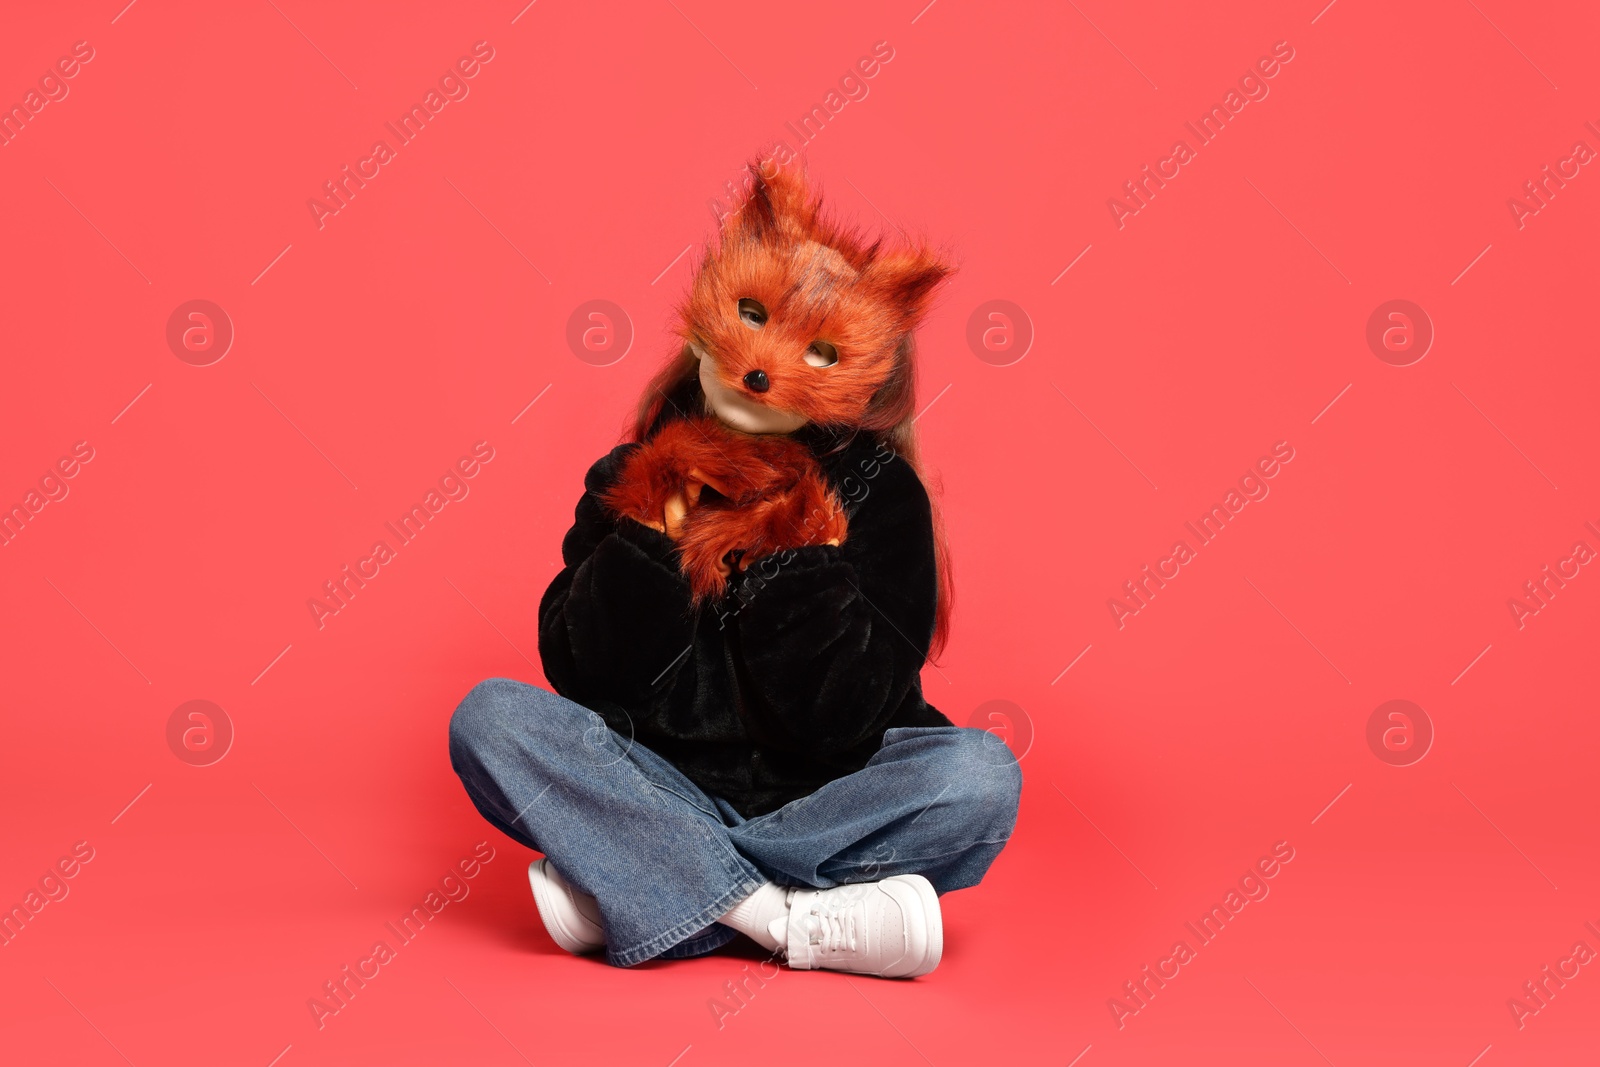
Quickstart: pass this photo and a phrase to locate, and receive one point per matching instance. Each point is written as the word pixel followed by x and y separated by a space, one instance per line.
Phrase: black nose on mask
pixel 757 382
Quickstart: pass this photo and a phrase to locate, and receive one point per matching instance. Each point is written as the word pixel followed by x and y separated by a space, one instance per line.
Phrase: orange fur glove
pixel 767 494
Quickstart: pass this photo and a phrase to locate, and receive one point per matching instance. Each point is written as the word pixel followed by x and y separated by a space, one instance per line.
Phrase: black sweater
pixel 791 679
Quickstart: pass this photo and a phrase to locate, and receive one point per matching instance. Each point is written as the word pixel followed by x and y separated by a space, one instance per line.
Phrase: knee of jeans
pixel 485 713
pixel 979 784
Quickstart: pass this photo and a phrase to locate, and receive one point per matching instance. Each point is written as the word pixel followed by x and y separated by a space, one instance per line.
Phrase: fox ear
pixel 778 202
pixel 908 280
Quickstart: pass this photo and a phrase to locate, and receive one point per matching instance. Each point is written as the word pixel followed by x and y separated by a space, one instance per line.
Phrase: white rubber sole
pixel 933 932
pixel 552 904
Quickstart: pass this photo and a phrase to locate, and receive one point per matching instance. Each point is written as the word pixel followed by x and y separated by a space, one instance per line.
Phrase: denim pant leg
pixel 617 820
pixel 936 801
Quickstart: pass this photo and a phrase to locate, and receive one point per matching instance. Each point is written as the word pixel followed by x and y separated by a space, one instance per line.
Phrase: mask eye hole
pixel 822 354
pixel 752 313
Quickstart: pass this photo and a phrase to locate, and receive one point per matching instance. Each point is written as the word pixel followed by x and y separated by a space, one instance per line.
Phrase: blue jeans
pixel 665 860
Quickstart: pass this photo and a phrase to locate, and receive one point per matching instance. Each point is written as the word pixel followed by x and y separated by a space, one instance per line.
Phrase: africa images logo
pixel 342 588
pixel 453 88
pixel 1138 192
pixel 1252 888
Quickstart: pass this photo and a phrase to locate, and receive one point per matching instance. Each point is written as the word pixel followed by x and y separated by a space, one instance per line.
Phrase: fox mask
pixel 798 320
pixel 801 314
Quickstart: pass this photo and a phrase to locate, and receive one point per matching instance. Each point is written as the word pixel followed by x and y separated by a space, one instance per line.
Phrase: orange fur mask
pixel 796 320
pixel 838 312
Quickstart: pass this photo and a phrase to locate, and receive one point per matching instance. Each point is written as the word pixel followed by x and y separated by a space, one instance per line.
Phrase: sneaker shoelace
pixel 831 926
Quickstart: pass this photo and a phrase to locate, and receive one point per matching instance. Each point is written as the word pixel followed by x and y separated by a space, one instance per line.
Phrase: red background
pixel 426 315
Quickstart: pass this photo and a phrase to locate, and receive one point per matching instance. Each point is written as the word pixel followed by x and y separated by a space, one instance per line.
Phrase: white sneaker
pixel 890 929
pixel 573 918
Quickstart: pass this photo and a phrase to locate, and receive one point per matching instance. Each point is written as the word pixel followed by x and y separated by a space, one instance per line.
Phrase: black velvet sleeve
pixel 829 640
pixel 618 613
